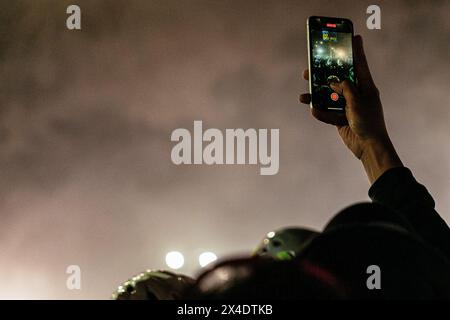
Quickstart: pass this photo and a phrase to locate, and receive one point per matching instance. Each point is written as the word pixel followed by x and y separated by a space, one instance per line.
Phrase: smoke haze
pixel 86 117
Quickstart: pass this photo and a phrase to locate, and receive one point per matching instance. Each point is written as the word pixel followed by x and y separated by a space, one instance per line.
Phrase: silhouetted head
pixel 259 278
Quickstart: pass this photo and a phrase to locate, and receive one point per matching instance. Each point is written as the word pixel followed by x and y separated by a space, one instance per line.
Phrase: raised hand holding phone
pixel 361 126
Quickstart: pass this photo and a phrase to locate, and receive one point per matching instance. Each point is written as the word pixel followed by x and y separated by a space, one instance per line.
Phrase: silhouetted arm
pixel 398 189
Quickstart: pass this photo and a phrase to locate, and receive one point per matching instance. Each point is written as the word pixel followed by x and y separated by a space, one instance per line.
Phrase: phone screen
pixel 330 60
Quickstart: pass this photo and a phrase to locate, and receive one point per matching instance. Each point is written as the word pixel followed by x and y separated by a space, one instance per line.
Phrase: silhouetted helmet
pixel 285 244
pixel 153 285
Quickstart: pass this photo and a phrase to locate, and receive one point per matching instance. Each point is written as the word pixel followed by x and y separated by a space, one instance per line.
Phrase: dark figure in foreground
pixel 399 235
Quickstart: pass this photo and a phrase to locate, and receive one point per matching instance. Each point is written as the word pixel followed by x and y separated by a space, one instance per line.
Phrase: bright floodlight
pixel 206 258
pixel 174 260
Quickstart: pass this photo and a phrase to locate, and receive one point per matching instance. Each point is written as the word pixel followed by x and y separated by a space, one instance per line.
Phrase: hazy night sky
pixel 86 117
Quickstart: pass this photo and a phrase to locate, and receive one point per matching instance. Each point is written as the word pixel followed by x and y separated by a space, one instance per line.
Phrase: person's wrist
pixel 378 156
pixel 379 142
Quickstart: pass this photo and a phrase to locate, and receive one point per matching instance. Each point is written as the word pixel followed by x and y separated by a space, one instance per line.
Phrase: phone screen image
pixel 331 60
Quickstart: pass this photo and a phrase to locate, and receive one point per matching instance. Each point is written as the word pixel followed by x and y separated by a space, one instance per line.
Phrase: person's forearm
pixel 379 156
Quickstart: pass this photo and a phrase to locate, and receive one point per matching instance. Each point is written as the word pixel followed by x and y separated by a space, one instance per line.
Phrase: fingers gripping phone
pixel 330 59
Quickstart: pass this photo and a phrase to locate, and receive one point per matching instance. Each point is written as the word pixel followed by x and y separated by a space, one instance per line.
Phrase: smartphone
pixel 330 59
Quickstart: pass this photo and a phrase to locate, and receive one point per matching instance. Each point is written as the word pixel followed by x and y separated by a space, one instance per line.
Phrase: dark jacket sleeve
pixel 399 190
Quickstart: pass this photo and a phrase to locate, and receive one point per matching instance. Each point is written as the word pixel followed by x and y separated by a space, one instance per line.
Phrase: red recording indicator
pixel 331 25
pixel 334 96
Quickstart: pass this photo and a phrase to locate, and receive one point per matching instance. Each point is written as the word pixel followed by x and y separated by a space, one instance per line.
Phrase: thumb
pixel 348 90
